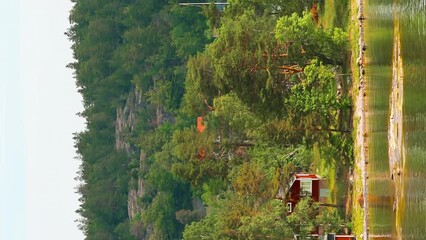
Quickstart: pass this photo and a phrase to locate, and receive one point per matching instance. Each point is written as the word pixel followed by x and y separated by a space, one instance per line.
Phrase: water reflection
pixel 397 208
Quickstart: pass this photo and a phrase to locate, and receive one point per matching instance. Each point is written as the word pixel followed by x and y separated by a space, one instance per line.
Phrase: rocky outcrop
pixel 126 121
pixel 128 116
pixel 136 191
pixel 186 216
pixel 125 125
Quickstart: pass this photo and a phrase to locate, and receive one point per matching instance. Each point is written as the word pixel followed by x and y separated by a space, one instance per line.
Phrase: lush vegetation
pixel 262 74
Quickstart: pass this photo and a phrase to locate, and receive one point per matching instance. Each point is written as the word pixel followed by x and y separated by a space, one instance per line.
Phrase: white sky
pixel 38 103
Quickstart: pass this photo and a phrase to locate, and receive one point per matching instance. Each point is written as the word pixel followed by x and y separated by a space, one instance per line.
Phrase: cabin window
pixel 289 207
pixel 306 187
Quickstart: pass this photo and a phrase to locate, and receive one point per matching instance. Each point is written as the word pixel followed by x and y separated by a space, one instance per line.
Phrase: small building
pixel 306 185
pixel 313 186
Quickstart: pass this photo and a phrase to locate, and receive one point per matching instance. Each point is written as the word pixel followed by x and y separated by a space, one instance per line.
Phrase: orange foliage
pixel 201 154
pixel 200 126
pixel 314 13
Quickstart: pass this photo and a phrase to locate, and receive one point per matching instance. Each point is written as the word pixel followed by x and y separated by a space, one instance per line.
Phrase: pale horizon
pixel 39 103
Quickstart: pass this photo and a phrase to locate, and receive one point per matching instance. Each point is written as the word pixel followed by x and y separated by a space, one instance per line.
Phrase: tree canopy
pixel 260 74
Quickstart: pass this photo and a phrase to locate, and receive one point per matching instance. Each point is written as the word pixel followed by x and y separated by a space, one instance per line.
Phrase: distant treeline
pixel 261 77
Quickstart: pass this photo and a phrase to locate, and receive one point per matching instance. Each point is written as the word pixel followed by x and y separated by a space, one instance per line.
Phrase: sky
pixel 38 106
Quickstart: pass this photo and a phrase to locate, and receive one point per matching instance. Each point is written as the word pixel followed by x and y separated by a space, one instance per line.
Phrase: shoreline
pixel 361 159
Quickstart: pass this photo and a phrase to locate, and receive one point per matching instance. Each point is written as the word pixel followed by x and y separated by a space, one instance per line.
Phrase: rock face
pixel 133 207
pixel 126 121
pixel 127 118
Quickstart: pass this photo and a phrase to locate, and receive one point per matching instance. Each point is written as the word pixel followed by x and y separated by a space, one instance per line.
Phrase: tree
pixel 268 7
pixel 252 181
pixel 330 220
pixel 119 46
pixel 268 223
pixel 207 228
pixel 237 123
pixel 259 86
pixel 246 59
pixel 303 220
pixel 188 144
pixel 188 30
pixel 312 108
pixel 162 216
pixel 317 92
pixel 199 86
pixel 307 41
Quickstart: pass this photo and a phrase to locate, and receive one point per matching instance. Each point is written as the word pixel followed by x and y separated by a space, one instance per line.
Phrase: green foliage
pixel 275 158
pixel 205 229
pixel 213 15
pixel 267 7
pixel 308 41
pixel 211 189
pixel 123 230
pixel 242 60
pixel 188 144
pixel 188 33
pixel 120 47
pixel 234 114
pixel 317 92
pixel 252 181
pixel 263 87
pixel 303 219
pixel 199 87
pixel 188 216
pixel 161 215
pixel 330 221
pixel 268 223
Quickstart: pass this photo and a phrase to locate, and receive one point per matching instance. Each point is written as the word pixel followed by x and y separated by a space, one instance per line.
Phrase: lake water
pixel 396 118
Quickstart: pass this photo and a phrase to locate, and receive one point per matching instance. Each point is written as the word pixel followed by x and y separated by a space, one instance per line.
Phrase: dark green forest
pixel 262 78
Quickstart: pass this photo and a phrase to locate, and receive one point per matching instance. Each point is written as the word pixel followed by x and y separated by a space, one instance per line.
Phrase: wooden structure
pixel 328 236
pixel 306 185
pixel 341 237
pixel 219 5
pixel 313 186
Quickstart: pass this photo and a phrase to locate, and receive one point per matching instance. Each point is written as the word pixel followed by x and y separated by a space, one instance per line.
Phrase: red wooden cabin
pixel 305 185
pixel 310 185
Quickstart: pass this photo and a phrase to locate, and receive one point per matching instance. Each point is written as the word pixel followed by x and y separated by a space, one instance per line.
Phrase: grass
pixel 339 13
pixel 353 30
pixel 334 13
pixel 326 170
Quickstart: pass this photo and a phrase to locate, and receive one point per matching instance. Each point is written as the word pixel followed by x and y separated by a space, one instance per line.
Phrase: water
pixel 396 92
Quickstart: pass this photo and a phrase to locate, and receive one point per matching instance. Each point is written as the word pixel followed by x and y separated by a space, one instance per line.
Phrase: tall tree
pixel 248 60
pixel 306 40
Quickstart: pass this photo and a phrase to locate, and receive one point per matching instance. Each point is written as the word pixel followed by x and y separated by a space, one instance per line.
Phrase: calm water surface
pixel 396 78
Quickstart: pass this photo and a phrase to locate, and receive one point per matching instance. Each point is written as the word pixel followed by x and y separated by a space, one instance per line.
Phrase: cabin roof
pixel 306 176
pixel 297 176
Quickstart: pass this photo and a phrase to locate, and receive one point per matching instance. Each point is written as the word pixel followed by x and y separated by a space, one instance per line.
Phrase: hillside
pixel 197 116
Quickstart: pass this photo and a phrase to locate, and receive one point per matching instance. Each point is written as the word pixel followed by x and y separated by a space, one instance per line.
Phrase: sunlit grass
pixel 357 210
pixel 329 13
pixel 334 13
pixel 337 13
pixel 353 30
